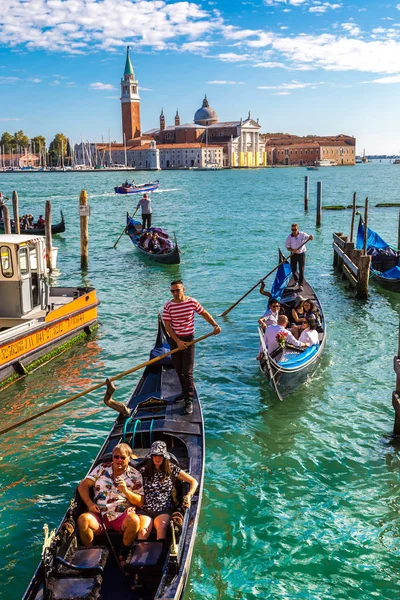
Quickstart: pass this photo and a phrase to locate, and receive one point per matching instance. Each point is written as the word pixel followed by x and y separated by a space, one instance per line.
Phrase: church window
pixel 125 88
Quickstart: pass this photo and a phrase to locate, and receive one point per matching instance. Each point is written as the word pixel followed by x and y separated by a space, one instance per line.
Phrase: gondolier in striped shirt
pixel 178 317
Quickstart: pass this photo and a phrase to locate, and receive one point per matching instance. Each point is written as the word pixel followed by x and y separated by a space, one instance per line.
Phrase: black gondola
pixel 384 259
pixel 289 368
pixel 154 416
pixel 134 230
pixel 58 228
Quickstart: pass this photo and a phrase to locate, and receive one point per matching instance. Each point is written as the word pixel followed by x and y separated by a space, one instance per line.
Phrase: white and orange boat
pixel 37 321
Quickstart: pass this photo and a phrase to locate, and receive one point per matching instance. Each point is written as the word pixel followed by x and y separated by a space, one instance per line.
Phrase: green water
pixel 301 497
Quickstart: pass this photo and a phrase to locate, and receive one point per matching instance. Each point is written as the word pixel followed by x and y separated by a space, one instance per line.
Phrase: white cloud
pixel 232 57
pixel 323 7
pixel 282 94
pixel 225 82
pixel 4 80
pixel 392 79
pixel 144 89
pixel 107 87
pixel 292 85
pixel 35 79
pixel 351 28
pixel 279 2
pixel 10 119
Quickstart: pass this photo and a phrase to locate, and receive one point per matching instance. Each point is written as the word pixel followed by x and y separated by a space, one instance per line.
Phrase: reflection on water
pixel 300 497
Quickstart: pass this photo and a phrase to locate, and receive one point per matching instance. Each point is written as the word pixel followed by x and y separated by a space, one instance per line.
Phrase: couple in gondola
pixel 131 501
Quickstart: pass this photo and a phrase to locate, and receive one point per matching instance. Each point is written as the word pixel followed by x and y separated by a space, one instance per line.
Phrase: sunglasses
pixel 175 290
pixel 117 456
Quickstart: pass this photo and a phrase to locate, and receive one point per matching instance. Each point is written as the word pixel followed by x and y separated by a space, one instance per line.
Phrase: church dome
pixel 205 115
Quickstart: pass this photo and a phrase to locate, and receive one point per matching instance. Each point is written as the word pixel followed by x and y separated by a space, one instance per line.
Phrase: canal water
pixel 301 497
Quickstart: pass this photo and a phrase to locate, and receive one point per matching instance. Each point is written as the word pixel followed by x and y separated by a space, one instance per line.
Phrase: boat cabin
pixel 23 285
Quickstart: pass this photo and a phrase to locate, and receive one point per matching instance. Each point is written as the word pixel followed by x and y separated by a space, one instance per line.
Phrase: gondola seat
pixel 146 556
pixel 78 576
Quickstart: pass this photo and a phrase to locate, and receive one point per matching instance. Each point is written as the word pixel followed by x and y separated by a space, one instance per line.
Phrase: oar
pixel 124 230
pixel 99 385
pixel 228 310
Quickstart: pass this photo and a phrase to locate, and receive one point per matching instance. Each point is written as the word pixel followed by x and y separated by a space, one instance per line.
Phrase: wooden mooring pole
pixel 7 221
pixel 398 234
pixel 15 212
pixel 49 241
pixel 396 394
pixel 364 263
pixel 84 222
pixel 319 204
pixel 353 216
pixel 306 189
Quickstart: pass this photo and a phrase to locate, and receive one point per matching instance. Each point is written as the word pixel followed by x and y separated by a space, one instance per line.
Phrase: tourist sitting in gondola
pixel 271 333
pixel 40 222
pixel 270 317
pixel 118 490
pixel 165 243
pixel 309 333
pixel 298 311
pixel 159 477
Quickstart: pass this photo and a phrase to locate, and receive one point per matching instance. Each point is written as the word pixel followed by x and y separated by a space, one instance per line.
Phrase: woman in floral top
pixel 159 476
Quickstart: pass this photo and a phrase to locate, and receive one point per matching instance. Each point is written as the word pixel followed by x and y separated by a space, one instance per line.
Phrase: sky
pixel 300 66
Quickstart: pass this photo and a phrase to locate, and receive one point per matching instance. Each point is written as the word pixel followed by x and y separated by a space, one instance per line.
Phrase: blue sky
pixel 300 66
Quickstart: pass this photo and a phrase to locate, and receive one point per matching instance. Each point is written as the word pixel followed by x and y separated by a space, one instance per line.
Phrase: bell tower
pixel 130 102
pixel 162 120
pixel 177 119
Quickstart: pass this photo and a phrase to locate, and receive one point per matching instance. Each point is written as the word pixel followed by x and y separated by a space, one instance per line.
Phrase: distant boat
pixel 57 228
pixel 209 166
pixel 312 168
pixel 132 188
pixel 325 162
pixel 134 230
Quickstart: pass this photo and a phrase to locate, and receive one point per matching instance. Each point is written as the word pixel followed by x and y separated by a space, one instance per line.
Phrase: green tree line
pixel 59 150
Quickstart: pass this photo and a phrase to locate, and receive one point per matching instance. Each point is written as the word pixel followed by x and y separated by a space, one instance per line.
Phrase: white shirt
pixel 270 317
pixel 270 337
pixel 293 242
pixel 309 336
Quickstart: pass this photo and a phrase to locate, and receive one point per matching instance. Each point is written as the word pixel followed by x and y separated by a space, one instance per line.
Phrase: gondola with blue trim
pixel 69 571
pixel 385 259
pixel 286 369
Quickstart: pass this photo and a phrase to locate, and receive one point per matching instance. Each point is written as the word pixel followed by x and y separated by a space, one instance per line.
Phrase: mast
pixel 126 164
pixel 109 146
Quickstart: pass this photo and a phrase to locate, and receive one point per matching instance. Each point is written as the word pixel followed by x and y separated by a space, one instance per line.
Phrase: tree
pixel 38 143
pixel 58 149
pixel 21 140
pixel 7 142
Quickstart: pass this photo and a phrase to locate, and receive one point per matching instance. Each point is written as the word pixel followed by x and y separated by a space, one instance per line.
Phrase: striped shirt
pixel 181 315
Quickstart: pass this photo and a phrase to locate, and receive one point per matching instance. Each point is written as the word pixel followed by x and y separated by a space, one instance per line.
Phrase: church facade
pixel 206 142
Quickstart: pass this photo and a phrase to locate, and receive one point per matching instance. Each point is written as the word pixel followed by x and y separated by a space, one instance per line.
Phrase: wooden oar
pixel 99 385
pixel 124 230
pixel 228 310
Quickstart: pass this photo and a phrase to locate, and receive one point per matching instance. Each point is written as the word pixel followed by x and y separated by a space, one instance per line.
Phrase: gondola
pixel 68 571
pixel 132 188
pixel 384 259
pixel 289 368
pixel 134 230
pixel 58 228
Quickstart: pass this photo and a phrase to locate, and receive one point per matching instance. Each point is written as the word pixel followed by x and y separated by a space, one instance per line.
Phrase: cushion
pixel 145 554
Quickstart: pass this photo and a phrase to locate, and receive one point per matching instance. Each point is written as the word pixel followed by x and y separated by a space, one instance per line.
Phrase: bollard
pixel 396 394
pixel 353 216
pixel 306 189
pixel 365 226
pixel 17 228
pixel 319 203
pixel 49 241
pixel 7 222
pixel 398 234
pixel 84 223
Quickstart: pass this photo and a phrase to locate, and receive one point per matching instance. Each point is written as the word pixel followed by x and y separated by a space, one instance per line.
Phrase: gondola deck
pixel 154 417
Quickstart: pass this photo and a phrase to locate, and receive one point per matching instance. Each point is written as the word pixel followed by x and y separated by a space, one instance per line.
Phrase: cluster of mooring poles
pixel 84 212
pixel 352 263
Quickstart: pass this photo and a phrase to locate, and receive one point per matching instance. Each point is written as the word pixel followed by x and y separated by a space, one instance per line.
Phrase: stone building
pixel 286 149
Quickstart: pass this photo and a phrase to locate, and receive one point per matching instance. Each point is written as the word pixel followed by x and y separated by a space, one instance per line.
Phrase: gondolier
pixel 178 317
pixel 295 243
pixel 145 203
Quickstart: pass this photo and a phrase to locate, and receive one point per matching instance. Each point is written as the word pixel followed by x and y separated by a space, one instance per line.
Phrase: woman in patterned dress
pixel 159 476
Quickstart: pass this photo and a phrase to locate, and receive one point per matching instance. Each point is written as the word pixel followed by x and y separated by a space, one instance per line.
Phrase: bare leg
pixel 146 525
pixel 129 528
pixel 87 527
pixel 161 524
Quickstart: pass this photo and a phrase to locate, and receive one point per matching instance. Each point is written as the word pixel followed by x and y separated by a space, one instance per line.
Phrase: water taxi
pixel 37 321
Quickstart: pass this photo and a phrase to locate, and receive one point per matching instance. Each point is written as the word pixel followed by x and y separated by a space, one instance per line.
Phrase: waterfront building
pixel 287 149
pixel 19 160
